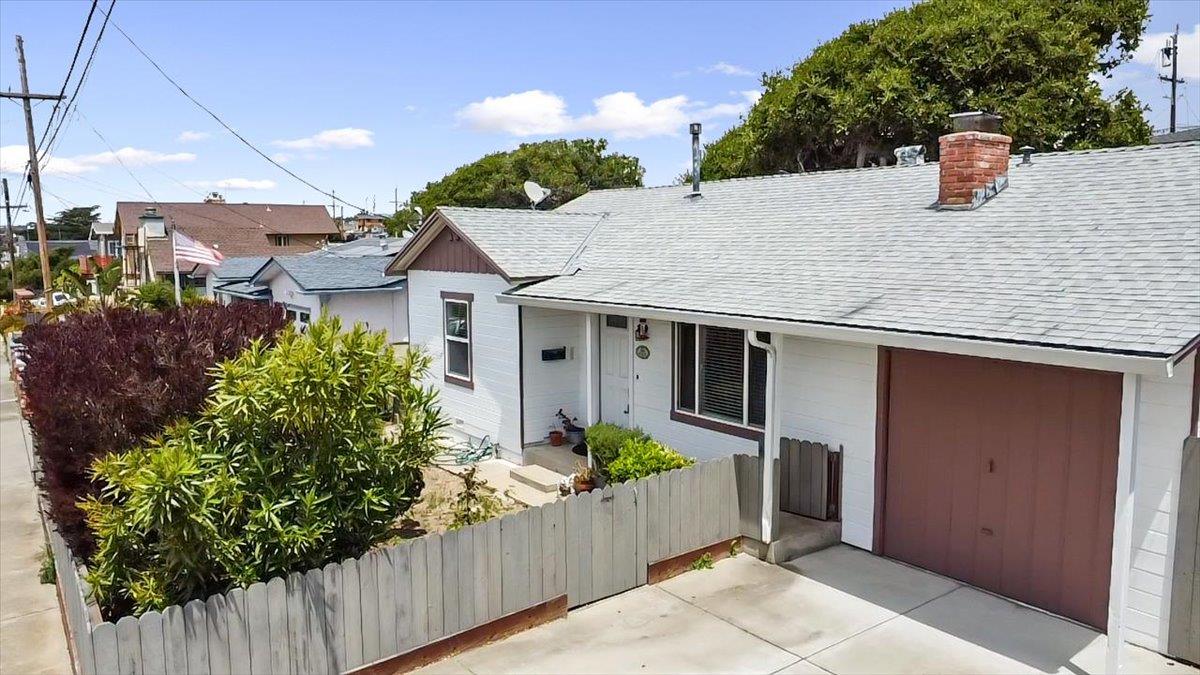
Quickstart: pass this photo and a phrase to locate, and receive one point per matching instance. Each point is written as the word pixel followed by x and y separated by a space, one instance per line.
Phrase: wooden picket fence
pixel 394 600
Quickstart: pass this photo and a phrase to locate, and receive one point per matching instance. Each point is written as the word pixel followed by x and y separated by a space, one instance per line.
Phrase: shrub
pixel 101 382
pixel 158 295
pixel 605 440
pixel 643 457
pixel 287 469
pixel 476 503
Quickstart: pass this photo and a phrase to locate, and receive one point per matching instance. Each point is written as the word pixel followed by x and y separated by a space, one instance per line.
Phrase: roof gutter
pixel 335 291
pixel 1145 364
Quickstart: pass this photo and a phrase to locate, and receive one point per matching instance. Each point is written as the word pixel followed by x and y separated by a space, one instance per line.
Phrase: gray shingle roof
pixel 334 273
pixel 523 242
pixel 1093 250
pixel 238 268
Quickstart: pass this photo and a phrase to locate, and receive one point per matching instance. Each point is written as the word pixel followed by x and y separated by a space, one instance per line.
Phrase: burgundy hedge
pixel 101 382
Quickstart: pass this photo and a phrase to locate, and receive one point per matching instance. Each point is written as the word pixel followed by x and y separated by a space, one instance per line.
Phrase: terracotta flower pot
pixel 556 437
pixel 584 486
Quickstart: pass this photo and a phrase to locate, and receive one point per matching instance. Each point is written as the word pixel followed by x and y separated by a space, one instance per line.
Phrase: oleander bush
pixel 641 457
pixel 605 441
pixel 101 382
pixel 287 468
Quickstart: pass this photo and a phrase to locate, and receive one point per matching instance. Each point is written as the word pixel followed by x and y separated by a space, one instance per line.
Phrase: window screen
pixel 458 338
pixel 722 363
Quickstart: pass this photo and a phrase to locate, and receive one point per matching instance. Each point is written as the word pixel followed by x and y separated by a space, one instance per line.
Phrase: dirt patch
pixel 435 511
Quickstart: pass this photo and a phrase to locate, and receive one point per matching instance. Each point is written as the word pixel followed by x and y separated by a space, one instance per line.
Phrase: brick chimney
pixel 973 161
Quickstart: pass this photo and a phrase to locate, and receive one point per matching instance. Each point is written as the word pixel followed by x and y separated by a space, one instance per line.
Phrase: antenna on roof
pixel 536 193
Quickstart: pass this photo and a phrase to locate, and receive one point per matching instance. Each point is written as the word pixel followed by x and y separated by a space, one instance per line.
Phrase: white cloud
pixel 1149 52
pixel 622 114
pixel 234 184
pixel 529 113
pixel 14 157
pixel 410 108
pixel 193 136
pixel 724 68
pixel 332 139
pixel 282 157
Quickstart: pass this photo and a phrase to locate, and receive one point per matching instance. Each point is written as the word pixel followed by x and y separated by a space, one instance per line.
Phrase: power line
pixel 67 79
pixel 222 122
pixel 79 83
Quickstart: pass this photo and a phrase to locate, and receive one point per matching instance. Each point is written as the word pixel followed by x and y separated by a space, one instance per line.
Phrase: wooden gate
pixel 809 479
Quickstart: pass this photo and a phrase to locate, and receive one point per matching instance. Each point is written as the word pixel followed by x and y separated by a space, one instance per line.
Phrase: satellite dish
pixel 536 193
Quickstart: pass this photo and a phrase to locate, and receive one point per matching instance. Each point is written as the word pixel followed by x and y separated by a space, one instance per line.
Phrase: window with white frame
pixel 300 316
pixel 281 239
pixel 719 376
pixel 457 338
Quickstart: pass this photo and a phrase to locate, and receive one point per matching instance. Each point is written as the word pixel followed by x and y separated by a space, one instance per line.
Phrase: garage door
pixel 1003 475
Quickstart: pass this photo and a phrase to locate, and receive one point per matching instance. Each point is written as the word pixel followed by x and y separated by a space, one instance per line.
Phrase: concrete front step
pixel 537 477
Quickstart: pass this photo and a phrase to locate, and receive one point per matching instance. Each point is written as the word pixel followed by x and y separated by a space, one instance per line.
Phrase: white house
pixel 352 288
pixel 1004 350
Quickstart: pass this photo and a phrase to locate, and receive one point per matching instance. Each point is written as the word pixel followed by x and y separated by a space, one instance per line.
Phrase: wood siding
pixel 1184 640
pixel 449 252
pixel 1003 475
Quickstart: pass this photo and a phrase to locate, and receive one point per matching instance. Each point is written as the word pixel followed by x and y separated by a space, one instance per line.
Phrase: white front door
pixel 614 369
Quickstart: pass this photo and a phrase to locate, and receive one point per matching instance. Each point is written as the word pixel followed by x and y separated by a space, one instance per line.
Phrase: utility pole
pixel 1171 51
pixel 396 200
pixel 35 178
pixel 12 238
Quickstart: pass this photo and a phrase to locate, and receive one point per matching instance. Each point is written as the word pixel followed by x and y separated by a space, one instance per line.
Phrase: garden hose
pixel 466 452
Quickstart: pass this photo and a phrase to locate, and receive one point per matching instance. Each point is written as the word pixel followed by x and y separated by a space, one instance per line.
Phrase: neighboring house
pixel 230 280
pixel 366 222
pixel 354 289
pixel 236 230
pixel 1188 134
pixel 1002 353
pixel 79 247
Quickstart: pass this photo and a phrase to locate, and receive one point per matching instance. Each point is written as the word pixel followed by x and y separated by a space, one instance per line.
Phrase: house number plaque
pixel 642 352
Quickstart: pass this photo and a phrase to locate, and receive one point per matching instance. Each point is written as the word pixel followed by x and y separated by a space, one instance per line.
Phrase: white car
pixel 57 297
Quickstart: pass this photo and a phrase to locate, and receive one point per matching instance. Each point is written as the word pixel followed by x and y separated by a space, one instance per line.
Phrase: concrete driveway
pixel 840 610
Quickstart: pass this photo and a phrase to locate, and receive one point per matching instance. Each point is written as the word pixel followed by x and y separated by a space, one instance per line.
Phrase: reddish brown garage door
pixel 1002 474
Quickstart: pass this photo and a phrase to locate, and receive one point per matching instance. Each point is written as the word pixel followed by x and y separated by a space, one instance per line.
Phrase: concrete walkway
pixel 31 631
pixel 840 610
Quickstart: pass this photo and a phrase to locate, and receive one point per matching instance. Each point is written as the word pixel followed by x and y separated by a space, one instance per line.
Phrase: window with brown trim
pixel 457 339
pixel 719 376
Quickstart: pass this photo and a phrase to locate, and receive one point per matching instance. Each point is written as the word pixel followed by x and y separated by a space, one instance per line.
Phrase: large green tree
pixel 29 271
pixel 73 223
pixel 568 168
pixel 895 81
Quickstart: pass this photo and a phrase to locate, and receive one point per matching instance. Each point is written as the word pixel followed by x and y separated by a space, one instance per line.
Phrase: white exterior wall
pixel 550 385
pixel 828 395
pixel 379 310
pixel 1163 415
pixel 287 292
pixel 493 406
pixel 651 405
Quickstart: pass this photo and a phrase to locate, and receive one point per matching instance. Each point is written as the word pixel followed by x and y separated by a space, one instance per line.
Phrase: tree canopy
pixel 895 81
pixel 568 168
pixel 74 223
pixel 29 271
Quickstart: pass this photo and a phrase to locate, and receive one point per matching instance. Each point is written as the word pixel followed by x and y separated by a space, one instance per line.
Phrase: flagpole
pixel 175 267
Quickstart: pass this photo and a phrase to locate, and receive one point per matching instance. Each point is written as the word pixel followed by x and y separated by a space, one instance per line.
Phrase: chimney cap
pixel 976 120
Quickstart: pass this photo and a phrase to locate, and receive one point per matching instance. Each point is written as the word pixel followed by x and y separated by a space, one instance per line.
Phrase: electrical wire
pixel 228 128
pixel 78 83
pixel 66 80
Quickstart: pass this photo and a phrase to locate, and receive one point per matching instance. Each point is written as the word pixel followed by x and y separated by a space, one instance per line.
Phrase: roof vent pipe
pixel 694 127
pixel 1026 155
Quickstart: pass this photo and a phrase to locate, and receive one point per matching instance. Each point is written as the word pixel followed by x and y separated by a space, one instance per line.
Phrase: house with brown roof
pixel 236 230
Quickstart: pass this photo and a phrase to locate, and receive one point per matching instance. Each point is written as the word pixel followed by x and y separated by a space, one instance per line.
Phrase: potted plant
pixel 584 478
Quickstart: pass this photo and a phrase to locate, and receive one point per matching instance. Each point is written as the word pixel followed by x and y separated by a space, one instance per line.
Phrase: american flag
pixel 191 250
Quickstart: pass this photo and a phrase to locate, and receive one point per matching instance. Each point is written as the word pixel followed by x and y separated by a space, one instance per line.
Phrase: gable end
pixel 451 252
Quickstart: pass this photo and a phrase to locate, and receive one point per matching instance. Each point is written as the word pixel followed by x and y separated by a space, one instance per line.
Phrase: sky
pixel 374 99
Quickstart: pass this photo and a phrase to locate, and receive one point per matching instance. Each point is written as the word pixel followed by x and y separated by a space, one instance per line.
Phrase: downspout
pixel 770 439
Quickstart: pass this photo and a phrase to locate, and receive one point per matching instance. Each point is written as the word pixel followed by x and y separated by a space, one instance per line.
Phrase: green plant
pixel 46 569
pixel 192 297
pixel 158 295
pixel 604 440
pixel 286 469
pixel 643 457
pixel 704 562
pixel 735 547
pixel 101 382
pixel 476 503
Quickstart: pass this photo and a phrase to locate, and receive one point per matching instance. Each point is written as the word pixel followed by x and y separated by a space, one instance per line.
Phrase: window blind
pixel 722 363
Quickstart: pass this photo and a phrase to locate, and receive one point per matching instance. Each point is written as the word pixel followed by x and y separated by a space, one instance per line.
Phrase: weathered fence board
pixel 804 480
pixel 150 629
pixel 399 598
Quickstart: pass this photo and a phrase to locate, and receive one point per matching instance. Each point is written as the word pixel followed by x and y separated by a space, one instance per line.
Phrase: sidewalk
pixel 31 631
